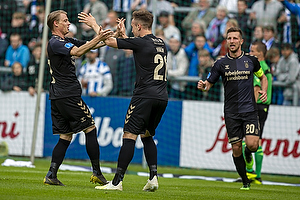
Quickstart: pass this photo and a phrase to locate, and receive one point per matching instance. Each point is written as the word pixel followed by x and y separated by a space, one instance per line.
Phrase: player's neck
pixel 58 34
pixel 260 59
pixel 145 32
pixel 236 54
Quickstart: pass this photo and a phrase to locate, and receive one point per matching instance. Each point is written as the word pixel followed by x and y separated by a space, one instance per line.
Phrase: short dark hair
pixel 16 34
pixel 234 29
pixel 54 16
pixel 260 46
pixel 164 14
pixel 243 1
pixel 286 46
pixel 269 28
pixel 200 35
pixel 144 16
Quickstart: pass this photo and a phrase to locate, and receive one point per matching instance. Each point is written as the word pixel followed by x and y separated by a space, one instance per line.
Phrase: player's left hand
pixel 88 19
pixel 121 30
pixel 263 95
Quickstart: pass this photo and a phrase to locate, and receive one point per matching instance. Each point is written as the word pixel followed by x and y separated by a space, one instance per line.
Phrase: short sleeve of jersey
pixel 129 43
pixel 76 42
pixel 214 74
pixel 257 69
pixel 63 47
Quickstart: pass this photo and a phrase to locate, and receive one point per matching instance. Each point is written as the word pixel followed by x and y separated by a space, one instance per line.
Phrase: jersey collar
pixel 236 57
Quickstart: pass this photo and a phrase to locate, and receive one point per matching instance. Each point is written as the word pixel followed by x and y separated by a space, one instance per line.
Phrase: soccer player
pixel 150 97
pixel 69 112
pixel 259 50
pixel 236 69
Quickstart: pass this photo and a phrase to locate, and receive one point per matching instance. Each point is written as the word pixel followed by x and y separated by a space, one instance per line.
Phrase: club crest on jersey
pixel 246 64
pixel 226 66
pixel 68 45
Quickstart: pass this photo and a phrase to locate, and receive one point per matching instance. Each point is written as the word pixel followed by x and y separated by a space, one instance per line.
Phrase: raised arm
pixel 121 33
pixel 79 51
pixel 89 20
pixel 121 30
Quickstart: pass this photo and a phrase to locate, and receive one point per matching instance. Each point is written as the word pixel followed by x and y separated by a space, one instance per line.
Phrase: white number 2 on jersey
pixel 158 59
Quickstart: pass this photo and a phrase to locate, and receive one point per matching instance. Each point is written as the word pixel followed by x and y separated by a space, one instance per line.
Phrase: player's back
pixel 150 56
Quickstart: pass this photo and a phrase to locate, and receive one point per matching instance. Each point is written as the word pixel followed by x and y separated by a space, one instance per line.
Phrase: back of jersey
pixel 150 55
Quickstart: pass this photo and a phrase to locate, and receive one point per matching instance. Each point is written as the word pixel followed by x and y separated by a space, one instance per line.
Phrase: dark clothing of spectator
pixel 243 20
pixel 3 46
pixel 127 69
pixel 7 8
pixel 11 80
pixel 33 73
pixel 112 59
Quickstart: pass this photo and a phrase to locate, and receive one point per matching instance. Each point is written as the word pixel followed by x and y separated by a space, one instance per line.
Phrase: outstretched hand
pixel 121 30
pixel 88 19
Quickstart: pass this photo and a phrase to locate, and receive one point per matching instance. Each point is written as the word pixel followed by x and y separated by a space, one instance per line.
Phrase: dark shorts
pixel 239 125
pixel 144 114
pixel 70 115
pixel 263 111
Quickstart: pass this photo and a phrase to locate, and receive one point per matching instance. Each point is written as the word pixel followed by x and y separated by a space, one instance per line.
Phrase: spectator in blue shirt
pixel 17 52
pixel 192 53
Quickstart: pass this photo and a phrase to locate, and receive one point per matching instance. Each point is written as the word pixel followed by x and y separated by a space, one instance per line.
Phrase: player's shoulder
pixel 56 38
pixel 219 60
pixel 139 41
pixel 58 41
pixel 251 57
pixel 155 40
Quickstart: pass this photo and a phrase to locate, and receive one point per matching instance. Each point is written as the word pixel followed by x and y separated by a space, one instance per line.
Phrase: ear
pixel 242 41
pixel 55 23
pixel 139 27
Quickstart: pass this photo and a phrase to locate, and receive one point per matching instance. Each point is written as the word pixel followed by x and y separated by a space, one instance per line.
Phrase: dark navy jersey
pixel 237 78
pixel 150 56
pixel 64 82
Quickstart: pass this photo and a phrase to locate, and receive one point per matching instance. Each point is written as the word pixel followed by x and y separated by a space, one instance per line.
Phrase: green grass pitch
pixel 27 183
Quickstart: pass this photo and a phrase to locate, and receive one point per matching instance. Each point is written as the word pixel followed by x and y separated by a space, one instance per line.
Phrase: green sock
pixel 259 154
pixel 243 150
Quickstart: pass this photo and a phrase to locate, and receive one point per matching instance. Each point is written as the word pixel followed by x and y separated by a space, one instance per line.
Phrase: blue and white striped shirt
pixel 98 78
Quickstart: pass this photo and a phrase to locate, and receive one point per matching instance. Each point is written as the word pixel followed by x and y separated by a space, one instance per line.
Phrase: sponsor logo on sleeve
pixel 69 45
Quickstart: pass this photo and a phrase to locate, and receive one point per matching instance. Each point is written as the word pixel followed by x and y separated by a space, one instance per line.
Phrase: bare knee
pixel 252 146
pixel 252 142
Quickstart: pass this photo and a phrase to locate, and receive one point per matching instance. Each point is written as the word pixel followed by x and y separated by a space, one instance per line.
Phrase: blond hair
pixel 54 16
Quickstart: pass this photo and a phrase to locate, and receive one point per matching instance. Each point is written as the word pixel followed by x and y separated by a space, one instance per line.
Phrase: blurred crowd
pixel 194 31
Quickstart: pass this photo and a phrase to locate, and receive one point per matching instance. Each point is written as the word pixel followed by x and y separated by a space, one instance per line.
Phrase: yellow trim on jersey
pixel 259 73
